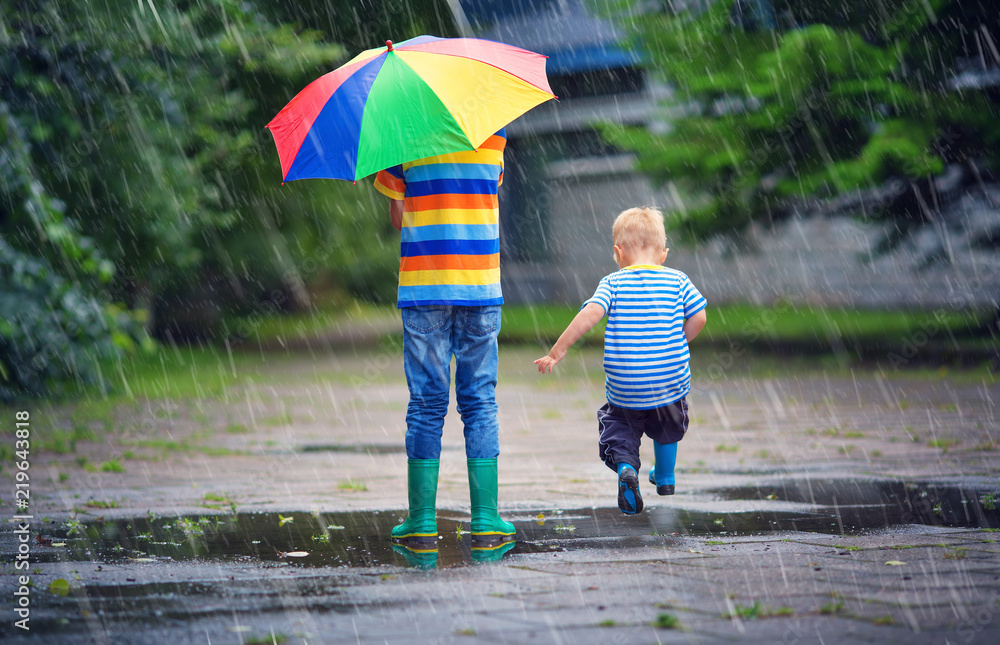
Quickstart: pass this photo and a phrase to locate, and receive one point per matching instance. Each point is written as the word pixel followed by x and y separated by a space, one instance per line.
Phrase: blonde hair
pixel 640 228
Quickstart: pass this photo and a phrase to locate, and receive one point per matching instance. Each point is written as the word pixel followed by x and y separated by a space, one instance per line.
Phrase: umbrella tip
pixel 388 44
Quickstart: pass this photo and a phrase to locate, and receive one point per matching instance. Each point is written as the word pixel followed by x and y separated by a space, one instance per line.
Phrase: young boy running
pixel 653 313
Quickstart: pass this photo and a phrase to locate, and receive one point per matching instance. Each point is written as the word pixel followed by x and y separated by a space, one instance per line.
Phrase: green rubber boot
pixel 486 523
pixel 422 482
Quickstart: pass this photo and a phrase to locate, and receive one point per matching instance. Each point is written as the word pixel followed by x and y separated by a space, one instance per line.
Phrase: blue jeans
pixel 432 334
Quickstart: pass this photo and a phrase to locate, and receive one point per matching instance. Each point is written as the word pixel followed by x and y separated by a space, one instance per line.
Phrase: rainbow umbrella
pixel 425 96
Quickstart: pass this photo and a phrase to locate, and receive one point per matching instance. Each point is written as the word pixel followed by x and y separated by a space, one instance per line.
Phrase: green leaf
pixel 59 587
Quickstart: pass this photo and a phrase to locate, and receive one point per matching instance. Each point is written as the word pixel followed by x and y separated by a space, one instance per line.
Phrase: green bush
pixel 52 333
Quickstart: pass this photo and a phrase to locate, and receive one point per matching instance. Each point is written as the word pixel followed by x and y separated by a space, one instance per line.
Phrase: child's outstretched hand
pixel 546 363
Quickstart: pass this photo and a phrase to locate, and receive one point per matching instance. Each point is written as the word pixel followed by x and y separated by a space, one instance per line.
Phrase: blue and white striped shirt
pixel 645 352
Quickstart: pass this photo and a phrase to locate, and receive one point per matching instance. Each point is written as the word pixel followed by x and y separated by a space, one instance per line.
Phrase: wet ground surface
pixel 810 508
pixel 232 577
pixel 358 538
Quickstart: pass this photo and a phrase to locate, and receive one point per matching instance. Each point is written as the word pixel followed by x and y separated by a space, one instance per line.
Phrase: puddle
pixel 359 539
pixel 350 539
pixel 245 564
pixel 866 504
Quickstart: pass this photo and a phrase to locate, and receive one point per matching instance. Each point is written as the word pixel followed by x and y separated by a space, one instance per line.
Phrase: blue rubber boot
pixel 662 474
pixel 420 525
pixel 629 499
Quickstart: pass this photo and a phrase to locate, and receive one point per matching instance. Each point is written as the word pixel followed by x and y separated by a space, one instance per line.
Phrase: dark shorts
pixel 621 430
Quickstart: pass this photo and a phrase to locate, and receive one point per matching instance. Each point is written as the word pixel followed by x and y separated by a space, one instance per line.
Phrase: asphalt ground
pixel 813 506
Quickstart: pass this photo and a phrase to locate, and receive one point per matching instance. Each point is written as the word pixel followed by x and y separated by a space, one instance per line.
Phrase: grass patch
pixel 182 373
pixel 63 442
pixel 724 448
pixel 217 502
pixel 758 610
pixel 607 623
pixel 944 443
pixel 542 324
pixel 111 466
pixel 350 484
pixel 784 323
pixel 327 311
pixel 666 621
pixel 97 503
pixel 270 639
pixel 832 607
pixel 843 547
pixel 169 445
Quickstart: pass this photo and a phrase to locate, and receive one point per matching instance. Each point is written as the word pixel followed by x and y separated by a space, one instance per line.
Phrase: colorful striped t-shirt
pixel 450 239
pixel 645 351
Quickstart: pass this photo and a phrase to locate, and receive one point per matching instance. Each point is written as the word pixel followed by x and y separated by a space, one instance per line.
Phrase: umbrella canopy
pixel 425 96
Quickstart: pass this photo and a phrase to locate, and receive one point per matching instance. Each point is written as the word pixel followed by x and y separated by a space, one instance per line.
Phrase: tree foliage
pixel 808 101
pixel 137 182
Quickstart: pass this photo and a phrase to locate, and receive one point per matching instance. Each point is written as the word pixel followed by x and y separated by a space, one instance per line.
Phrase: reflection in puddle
pixel 360 539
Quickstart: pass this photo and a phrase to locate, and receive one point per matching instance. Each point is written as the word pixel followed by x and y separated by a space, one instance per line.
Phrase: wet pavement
pixel 806 512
